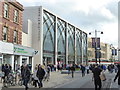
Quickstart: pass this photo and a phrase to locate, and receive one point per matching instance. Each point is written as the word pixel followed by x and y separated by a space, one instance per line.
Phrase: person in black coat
pixel 6 70
pixel 40 74
pixel 72 68
pixel 25 76
pixel 96 75
pixel 83 70
pixel 118 76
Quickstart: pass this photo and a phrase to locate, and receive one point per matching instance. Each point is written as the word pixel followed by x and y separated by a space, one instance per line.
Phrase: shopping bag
pixel 102 76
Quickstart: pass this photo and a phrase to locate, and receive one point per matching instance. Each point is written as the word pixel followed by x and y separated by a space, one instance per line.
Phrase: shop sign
pixel 20 50
pixel 6 47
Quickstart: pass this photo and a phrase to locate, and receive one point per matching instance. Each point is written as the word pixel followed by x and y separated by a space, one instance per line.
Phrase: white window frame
pixel 5 33
pixel 6 10
pixel 16 16
pixel 15 36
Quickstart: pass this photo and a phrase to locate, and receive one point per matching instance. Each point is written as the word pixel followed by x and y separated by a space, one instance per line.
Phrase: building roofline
pixel 57 16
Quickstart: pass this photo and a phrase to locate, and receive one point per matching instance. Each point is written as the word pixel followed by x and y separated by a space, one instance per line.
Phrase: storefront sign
pixel 6 47
pixel 22 50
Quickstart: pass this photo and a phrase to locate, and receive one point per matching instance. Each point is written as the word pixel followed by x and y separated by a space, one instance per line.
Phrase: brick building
pixel 11 22
pixel 12 50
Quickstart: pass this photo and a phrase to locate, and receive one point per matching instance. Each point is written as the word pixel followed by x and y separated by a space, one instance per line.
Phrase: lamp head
pixel 101 32
pixel 89 33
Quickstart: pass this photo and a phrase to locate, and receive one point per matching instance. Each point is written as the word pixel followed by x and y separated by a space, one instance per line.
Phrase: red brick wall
pixel 11 25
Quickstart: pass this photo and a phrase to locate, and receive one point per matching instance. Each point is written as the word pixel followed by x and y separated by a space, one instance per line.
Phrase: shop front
pixel 22 56
pixel 15 55
pixel 6 53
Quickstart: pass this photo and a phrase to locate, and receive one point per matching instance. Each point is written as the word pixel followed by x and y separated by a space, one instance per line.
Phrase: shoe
pixel 26 88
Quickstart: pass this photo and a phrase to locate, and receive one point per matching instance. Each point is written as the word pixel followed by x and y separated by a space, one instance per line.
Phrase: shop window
pixel 5 30
pixel 16 16
pixel 6 11
pixel 15 36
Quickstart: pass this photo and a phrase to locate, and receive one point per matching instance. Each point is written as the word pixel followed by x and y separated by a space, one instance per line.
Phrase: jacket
pixel 117 76
pixel 96 73
pixel 40 73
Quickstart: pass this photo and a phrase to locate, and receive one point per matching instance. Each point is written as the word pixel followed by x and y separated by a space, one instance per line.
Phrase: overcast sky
pixel 88 15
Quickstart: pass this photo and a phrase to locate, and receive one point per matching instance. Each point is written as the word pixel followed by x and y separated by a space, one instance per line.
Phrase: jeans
pixel 25 83
pixel 40 83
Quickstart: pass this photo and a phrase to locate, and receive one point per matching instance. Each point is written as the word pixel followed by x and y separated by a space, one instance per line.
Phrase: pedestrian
pixel 40 75
pixel 68 68
pixel 118 76
pixel 87 68
pixel 72 68
pixel 83 70
pixel 6 73
pixel 25 76
pixel 35 81
pixel 96 76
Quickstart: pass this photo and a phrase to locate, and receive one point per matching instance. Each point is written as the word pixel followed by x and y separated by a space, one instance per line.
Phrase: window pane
pixel 15 37
pixel 6 10
pixel 16 16
pixel 5 29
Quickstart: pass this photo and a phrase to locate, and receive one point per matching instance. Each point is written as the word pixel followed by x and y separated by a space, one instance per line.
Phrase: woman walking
pixel 35 77
pixel 40 75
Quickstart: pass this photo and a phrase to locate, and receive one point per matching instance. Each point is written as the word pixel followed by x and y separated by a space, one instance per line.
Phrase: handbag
pixel 102 76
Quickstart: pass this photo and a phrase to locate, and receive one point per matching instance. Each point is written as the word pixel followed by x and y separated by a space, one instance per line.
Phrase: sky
pixel 88 15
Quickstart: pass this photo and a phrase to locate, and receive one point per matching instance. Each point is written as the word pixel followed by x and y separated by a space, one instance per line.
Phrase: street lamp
pixel 96 46
pixel 113 52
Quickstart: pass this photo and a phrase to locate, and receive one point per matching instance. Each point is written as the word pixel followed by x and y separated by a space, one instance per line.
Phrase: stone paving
pixel 57 79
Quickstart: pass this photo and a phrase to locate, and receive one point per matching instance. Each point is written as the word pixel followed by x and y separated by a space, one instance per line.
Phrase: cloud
pixel 86 14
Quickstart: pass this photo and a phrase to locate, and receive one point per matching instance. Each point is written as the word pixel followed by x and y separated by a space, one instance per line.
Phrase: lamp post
pixel 96 46
pixel 113 52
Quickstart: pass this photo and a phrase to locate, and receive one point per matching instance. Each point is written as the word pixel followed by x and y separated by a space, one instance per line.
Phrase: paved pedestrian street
pixel 58 80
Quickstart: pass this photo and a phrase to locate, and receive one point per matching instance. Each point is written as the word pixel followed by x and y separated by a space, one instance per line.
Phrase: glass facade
pixel 84 47
pixel 78 46
pixel 61 28
pixel 70 42
pixel 48 37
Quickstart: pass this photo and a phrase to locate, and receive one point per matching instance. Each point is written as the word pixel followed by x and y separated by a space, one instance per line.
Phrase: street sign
pixel 114 51
pixel 36 52
pixel 94 43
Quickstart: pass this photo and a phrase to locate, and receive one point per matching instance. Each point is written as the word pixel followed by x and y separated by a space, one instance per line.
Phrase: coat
pixel 40 73
pixel 96 73
pixel 26 74
pixel 72 68
pixel 117 76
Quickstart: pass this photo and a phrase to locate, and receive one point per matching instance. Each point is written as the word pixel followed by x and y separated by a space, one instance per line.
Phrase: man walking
pixel 26 76
pixel 83 70
pixel 72 70
pixel 96 75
